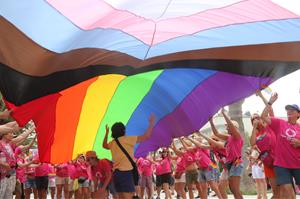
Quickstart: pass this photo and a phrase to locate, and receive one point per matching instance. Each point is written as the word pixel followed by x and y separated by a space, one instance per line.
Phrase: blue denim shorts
pixel 209 174
pixel 285 175
pixel 123 181
pixel 236 170
pixel 30 184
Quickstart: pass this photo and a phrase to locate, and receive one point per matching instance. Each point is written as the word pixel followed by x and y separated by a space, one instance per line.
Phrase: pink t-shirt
pixel 165 166
pixel 103 168
pixel 203 159
pixel 180 165
pixel 286 155
pixel 266 140
pixel 221 155
pixel 42 170
pixel 20 172
pixel 62 170
pixel 81 170
pixel 145 166
pixel 158 170
pixel 234 148
pixel 138 164
pixel 189 157
pixel 72 172
pixel 30 172
pixel 9 153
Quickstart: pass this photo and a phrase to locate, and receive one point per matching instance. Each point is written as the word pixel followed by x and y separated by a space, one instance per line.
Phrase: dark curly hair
pixel 118 130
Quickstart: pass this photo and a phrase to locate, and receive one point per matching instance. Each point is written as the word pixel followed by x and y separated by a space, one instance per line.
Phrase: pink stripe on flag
pixel 91 14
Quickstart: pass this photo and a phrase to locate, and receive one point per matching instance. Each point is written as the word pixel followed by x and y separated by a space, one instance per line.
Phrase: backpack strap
pixel 126 153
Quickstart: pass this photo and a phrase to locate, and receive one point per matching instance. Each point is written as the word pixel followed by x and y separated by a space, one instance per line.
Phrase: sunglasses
pixel 92 158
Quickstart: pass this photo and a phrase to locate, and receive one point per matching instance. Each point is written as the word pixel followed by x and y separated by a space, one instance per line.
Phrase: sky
pixel 288 89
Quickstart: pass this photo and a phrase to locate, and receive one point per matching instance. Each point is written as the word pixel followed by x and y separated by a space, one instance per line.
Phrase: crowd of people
pixel 191 164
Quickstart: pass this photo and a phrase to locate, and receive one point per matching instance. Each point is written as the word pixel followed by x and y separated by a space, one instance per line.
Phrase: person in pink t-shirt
pixel 8 162
pixel 218 149
pixel 145 166
pixel 72 179
pixel 30 185
pixel 208 170
pixel 264 139
pixel 191 168
pixel 180 180
pixel 41 179
pixel 52 184
pixel 233 145
pixel 163 172
pixel 62 180
pixel 81 173
pixel 101 174
pixel 21 167
pixel 287 151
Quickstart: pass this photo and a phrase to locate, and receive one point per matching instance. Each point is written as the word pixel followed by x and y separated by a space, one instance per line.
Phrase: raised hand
pixel 273 98
pixel 255 123
pixel 258 93
pixel 223 110
pixel 106 128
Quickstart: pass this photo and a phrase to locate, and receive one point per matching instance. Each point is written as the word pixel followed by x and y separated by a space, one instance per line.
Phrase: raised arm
pixel 105 144
pixel 22 137
pixel 211 141
pixel 154 156
pixel 215 131
pixel 169 154
pixel 14 125
pixel 147 134
pixel 198 144
pixel 254 133
pixel 259 94
pixel 28 146
pixel 176 151
pixel 265 114
pixel 26 164
pixel 184 144
pixel 172 157
pixel 233 130
pixel 151 159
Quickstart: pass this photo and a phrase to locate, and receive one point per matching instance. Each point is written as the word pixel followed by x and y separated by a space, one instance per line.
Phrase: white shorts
pixel 181 179
pixel 257 172
pixel 51 182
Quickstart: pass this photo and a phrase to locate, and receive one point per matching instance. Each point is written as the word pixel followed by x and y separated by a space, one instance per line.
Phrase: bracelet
pixel 270 103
